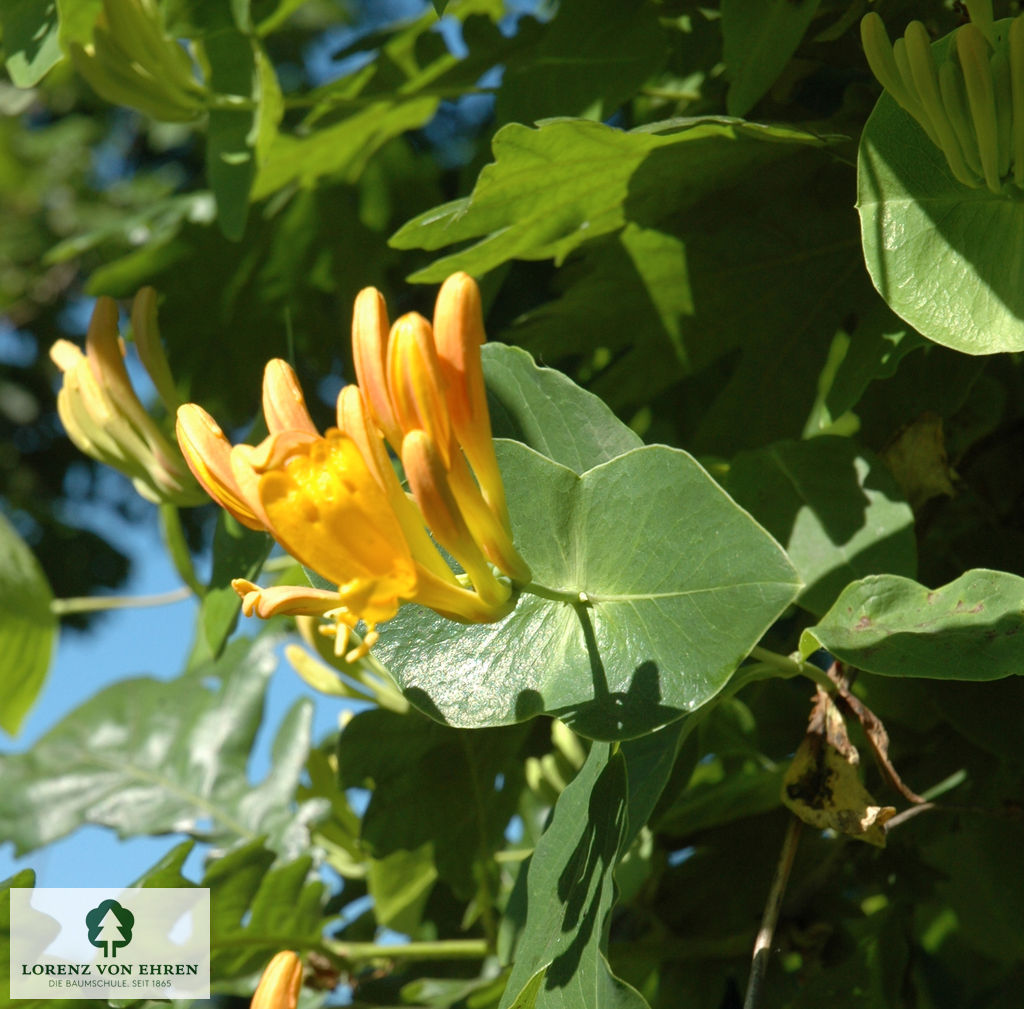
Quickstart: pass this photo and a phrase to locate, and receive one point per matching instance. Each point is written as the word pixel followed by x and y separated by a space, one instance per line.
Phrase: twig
pixel 93 604
pixel 766 935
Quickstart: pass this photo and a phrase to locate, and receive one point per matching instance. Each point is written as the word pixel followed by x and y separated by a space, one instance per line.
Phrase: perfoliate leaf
pixel 547 411
pixel 665 584
pixel 935 248
pixel 28 629
pixel 833 506
pixel 150 757
pixel 969 629
pixel 566 182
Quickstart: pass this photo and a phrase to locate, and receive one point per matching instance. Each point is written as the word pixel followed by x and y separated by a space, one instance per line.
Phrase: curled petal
pixel 208 454
pixel 283 403
pixel 289 600
pixel 493 535
pixel 369 352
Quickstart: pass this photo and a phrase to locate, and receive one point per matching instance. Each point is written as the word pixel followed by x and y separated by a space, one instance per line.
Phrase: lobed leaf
pixel 151 757
pixel 566 182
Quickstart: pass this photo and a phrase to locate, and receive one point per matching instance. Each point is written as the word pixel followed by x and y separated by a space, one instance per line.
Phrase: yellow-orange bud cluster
pixel 102 413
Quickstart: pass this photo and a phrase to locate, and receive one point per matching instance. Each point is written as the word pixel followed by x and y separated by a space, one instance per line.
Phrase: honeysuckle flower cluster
pixel 333 500
pixel 104 417
pixel 971 106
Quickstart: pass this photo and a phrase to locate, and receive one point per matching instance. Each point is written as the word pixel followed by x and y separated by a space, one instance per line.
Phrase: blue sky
pixel 129 643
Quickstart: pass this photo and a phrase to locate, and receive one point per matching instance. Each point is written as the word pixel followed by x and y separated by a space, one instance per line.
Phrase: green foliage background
pixel 750 454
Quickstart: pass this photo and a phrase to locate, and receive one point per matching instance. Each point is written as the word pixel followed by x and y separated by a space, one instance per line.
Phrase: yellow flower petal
pixel 326 509
pixel 429 482
pixel 355 422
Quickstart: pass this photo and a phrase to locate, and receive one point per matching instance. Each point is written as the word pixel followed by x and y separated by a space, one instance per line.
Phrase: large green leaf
pixel 970 629
pixel 31 39
pixel 945 257
pixel 342 148
pixel 869 349
pixel 27 628
pixel 547 411
pixel 149 757
pixel 627 298
pixel 760 36
pixel 833 506
pixel 433 785
pixel 592 57
pixel 570 889
pixel 744 291
pixel 259 904
pixel 663 585
pixel 232 133
pixel 552 188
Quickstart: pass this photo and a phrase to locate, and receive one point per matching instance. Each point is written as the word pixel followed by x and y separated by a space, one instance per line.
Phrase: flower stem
pixel 93 604
pixel 558 595
pixel 174 537
pixel 792 665
pixel 441 949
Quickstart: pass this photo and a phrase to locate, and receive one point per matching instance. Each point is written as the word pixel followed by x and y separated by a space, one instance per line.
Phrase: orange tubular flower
pixel 333 501
pixel 279 986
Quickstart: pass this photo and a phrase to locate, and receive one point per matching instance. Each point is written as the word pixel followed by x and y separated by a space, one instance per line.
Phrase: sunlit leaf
pixel 31 39
pixel 935 248
pixel 547 411
pixel 149 757
pixel 673 585
pixel 834 507
pixel 28 628
pixel 967 630
pixel 566 182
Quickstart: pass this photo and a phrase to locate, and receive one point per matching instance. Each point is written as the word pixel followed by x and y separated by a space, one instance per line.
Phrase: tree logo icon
pixel 110 926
